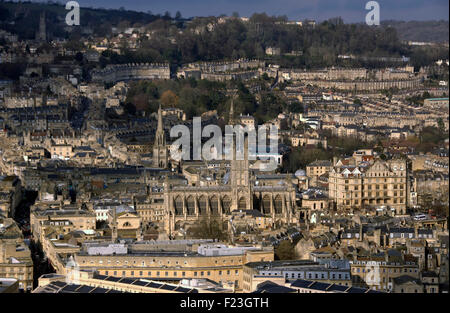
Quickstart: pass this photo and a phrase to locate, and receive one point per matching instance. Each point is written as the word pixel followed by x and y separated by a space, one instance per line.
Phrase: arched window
pixel 266 204
pixel 214 202
pixel 178 206
pixel 202 205
pixel 126 224
pixel 278 203
pixel 226 204
pixel 190 203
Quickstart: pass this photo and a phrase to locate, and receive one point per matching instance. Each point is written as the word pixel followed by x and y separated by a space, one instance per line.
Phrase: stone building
pixel 160 153
pixel 15 256
pixel 373 184
pixel 185 204
pixel 124 72
pixel 216 262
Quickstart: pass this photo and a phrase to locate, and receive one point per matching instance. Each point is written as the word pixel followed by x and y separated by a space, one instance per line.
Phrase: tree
pixel 285 251
pixel 79 56
pixel 209 227
pixel 169 99
pixel 130 108
pixel 441 125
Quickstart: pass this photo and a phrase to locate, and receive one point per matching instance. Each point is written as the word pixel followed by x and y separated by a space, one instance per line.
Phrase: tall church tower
pixel 42 33
pixel 160 158
pixel 241 184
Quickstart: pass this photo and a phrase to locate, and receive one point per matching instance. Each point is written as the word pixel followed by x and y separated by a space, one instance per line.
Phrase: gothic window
pixel 202 205
pixel 214 202
pixel 278 203
pixel 226 204
pixel 266 204
pixel 190 205
pixel 178 206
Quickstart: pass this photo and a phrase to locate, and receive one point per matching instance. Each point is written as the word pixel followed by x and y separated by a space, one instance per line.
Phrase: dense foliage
pixel 209 228
pixel 285 251
pixel 195 97
pixel 179 40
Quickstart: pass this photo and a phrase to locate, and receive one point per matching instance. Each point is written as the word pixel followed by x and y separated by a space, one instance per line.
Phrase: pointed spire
pixel 160 121
pixel 231 118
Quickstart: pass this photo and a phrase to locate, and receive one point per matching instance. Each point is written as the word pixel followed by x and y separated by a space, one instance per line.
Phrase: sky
pixel 352 11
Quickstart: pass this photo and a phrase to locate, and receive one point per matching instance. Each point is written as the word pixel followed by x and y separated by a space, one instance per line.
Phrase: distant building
pixel 15 256
pixel 41 34
pixel 282 271
pixel 273 51
pixel 436 103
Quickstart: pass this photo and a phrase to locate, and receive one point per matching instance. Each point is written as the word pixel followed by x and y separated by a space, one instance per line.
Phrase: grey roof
pixel 406 279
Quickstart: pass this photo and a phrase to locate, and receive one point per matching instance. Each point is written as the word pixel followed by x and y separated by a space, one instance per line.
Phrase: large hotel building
pixel 368 182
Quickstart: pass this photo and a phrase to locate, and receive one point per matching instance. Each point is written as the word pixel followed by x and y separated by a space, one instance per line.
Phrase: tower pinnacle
pixel 160 122
pixel 231 120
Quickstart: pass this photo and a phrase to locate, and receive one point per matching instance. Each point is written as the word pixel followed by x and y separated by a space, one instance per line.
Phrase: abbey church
pixel 217 188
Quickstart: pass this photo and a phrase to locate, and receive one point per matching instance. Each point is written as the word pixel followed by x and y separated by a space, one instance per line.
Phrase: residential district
pixel 92 201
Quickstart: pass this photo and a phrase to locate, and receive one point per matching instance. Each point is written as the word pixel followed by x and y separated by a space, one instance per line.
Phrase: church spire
pixel 160 121
pixel 42 32
pixel 159 147
pixel 231 118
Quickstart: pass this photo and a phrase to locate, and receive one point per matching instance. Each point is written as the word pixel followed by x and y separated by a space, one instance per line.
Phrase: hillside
pixel 427 31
